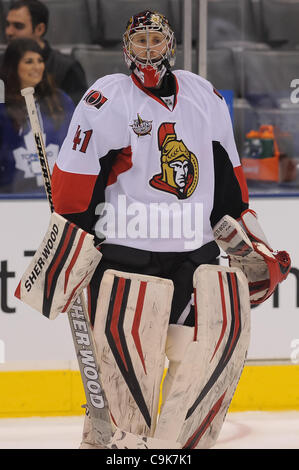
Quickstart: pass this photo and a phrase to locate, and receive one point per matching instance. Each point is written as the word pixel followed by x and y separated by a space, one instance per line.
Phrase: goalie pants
pixel 178 267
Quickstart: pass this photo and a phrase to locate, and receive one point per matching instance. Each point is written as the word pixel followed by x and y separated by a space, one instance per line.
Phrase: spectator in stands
pixel 23 66
pixel 29 18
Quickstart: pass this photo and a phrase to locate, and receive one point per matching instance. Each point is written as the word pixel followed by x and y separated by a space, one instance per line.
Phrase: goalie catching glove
pixel 60 269
pixel 247 248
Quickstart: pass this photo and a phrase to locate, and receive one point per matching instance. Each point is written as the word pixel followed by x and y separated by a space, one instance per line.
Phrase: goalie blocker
pixel 60 269
pixel 248 249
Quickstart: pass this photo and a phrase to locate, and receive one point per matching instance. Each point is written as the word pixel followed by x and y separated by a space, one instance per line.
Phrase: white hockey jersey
pixel 150 173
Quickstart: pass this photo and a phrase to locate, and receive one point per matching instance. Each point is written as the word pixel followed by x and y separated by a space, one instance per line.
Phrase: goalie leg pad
pixel 206 378
pixel 60 269
pixel 130 333
pixel 122 440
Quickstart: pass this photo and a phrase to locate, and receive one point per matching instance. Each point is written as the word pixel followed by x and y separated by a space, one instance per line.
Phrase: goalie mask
pixel 149 47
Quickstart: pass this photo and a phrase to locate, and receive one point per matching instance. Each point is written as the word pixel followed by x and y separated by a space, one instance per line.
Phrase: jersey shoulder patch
pixel 95 98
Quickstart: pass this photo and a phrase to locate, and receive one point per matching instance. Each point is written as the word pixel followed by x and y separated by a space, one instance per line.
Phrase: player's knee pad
pixel 207 374
pixel 178 339
pixel 130 333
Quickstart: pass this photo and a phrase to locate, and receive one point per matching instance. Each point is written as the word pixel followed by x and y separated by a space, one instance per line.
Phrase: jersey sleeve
pixel 230 191
pixel 95 137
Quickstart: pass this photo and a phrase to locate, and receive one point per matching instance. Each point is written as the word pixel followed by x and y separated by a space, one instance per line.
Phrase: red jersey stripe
pixel 242 182
pixel 63 184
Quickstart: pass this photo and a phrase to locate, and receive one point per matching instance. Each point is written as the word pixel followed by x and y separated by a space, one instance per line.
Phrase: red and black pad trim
pixel 74 259
pixel 229 237
pixel 57 264
pixel 224 314
pixel 234 334
pixel 136 322
pixel 242 249
pixel 114 330
pixel 73 293
pixel 194 439
pixel 258 286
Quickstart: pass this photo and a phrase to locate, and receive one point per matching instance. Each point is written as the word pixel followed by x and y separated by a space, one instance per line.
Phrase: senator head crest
pixel 179 166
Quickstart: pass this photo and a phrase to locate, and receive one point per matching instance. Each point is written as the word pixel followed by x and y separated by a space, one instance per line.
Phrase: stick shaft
pixel 95 395
pixel 28 94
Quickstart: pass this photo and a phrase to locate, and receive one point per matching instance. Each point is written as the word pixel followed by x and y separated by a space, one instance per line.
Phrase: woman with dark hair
pixel 23 66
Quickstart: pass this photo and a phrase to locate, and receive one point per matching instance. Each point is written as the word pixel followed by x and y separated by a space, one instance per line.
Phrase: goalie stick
pixel 86 353
pixel 106 433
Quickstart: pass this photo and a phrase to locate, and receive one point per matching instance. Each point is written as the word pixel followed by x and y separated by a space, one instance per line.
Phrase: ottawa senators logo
pixel 95 98
pixel 179 167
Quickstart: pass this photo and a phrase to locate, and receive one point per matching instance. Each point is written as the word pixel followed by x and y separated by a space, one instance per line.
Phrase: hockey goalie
pixel 149 167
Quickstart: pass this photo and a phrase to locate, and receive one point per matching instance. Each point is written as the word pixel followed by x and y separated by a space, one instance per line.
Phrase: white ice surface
pixel 248 430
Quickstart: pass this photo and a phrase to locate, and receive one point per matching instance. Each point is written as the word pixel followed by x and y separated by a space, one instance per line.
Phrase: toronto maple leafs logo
pixel 27 160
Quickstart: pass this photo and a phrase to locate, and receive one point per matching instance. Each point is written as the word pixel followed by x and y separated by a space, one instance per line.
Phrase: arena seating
pixel 98 62
pixel 230 20
pixel 113 16
pixel 241 38
pixel 253 48
pixel 69 22
pixel 280 22
pixel 267 71
pixel 102 22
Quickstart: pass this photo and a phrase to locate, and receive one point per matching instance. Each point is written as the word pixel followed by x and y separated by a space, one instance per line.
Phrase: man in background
pixel 29 18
